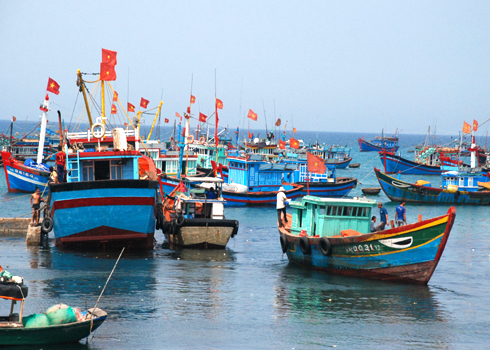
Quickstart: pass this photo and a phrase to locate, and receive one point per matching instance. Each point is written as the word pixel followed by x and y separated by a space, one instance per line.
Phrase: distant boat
pixel 389 143
pixel 333 235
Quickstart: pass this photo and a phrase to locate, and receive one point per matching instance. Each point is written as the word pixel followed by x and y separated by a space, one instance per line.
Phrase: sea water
pixel 248 296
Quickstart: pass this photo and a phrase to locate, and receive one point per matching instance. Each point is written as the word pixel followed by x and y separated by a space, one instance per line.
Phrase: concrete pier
pixel 16 227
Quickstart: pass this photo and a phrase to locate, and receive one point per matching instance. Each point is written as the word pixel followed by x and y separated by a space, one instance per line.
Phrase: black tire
pixel 457 194
pixel 284 243
pixel 325 246
pixel 47 225
pixel 422 191
pixel 304 244
pixel 180 221
pixel 235 230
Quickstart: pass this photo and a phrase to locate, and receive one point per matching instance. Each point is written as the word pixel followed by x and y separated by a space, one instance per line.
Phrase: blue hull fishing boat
pixel 257 181
pixel 394 164
pixel 333 235
pixel 390 144
pixel 458 188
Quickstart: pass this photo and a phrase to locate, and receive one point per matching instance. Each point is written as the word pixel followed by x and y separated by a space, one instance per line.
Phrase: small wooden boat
pixel 14 331
pixel 354 165
pixel 194 218
pixel 371 190
pixel 333 235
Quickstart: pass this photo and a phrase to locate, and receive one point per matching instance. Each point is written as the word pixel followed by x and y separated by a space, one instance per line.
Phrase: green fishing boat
pixel 16 330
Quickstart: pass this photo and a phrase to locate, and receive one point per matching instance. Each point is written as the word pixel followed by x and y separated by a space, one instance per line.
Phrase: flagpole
pixel 188 123
pixel 307 181
pixel 216 117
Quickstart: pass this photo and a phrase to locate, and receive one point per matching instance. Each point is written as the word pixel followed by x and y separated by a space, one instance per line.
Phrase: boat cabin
pixel 466 179
pixel 202 198
pixel 328 217
pixel 300 172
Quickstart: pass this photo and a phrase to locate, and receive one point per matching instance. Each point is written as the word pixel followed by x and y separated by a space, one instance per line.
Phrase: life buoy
pixel 190 139
pixel 202 140
pixel 47 225
pixel 325 246
pixel 102 130
pixel 304 244
pixel 284 243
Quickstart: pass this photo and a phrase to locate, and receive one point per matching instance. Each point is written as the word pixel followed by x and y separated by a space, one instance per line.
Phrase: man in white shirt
pixel 281 206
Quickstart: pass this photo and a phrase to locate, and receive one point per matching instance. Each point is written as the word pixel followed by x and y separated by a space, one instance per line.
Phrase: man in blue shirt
pixel 401 218
pixel 383 217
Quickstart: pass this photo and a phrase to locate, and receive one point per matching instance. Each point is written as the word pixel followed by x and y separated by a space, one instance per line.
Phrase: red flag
pixel 166 120
pixel 193 99
pixel 144 103
pixel 250 135
pixel 188 111
pixel 293 143
pixel 115 96
pixel 294 130
pixel 475 125
pixel 109 57
pixel 178 116
pixel 315 164
pixel 278 122
pixel 125 124
pixel 466 128
pixel 53 87
pixel 202 118
pixel 282 144
pixel 219 104
pixel 113 109
pixel 107 72
pixel 252 115
pixel 14 119
pixel 130 107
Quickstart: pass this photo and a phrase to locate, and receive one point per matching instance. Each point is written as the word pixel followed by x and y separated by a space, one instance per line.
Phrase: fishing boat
pixel 333 235
pixel 390 143
pixel 459 187
pixel 394 164
pixel 17 330
pixel 194 217
pixel 335 156
pixel 327 184
pixel 111 195
pixel 26 176
pixel 261 178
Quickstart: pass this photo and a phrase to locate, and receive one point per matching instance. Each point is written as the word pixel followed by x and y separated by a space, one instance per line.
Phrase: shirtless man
pixel 36 200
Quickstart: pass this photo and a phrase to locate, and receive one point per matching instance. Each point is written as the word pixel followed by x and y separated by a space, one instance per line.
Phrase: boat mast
pixel 102 91
pixel 154 120
pixel 43 130
pixel 81 83
pixel 11 129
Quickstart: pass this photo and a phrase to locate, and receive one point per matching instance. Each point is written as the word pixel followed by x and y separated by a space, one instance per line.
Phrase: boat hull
pixel 258 198
pixel 340 188
pixel 366 146
pixel 21 178
pixel 408 254
pixel 397 190
pixel 341 164
pixel 110 213
pixel 203 233
pixel 394 164
pixel 64 333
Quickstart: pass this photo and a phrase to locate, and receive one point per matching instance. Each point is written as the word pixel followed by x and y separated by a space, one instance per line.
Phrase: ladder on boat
pixel 72 166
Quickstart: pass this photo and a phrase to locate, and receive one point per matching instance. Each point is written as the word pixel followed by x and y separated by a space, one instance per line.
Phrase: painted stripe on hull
pixel 90 202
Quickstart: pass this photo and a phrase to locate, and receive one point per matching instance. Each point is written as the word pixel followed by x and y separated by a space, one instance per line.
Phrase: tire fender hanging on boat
pixel 284 243
pixel 305 245
pixel 325 246
pixel 47 225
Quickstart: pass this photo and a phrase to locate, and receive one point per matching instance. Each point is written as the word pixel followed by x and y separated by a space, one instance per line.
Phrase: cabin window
pixel 354 211
pixel 116 169
pixel 322 210
pixel 461 181
pixel 347 211
pixel 88 171
pixel 470 182
pixel 102 170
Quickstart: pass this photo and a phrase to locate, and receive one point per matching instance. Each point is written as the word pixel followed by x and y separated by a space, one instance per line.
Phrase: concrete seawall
pixel 14 227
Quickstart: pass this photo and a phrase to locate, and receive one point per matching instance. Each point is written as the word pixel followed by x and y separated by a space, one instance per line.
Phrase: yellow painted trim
pixel 393 252
pixel 379 236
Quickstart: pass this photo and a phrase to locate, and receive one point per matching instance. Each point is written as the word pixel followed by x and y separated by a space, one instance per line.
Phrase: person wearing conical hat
pixel 281 206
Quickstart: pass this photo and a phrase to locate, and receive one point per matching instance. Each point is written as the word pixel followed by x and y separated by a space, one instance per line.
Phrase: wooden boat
pixel 354 165
pixel 451 193
pixel 389 143
pixel 194 218
pixel 333 235
pixel 371 190
pixel 335 156
pixel 394 164
pixel 13 330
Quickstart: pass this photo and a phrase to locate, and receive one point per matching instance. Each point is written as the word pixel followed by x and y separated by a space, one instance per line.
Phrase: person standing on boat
pixel 281 206
pixel 401 218
pixel 383 217
pixel 36 200
pixel 53 177
pixel 373 224
pixel 60 164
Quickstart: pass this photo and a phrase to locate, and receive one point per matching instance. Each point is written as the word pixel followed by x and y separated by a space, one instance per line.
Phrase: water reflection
pixel 301 293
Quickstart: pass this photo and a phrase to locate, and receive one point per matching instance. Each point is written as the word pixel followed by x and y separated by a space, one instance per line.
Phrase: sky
pixel 347 66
